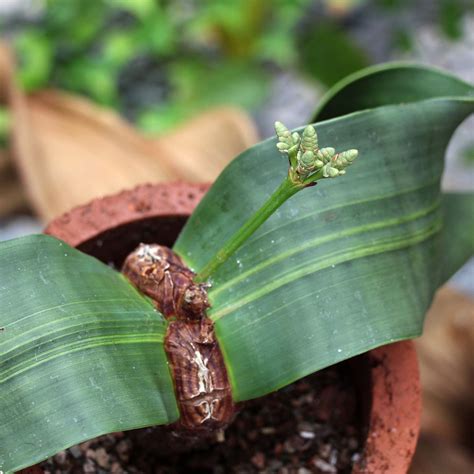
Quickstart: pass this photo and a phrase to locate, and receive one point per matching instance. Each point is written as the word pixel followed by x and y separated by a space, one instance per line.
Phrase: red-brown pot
pixel 388 378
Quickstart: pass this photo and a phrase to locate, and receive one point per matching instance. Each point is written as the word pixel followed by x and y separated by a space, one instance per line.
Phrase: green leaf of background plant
pixel 94 78
pixel 450 17
pixel 328 54
pixel 191 97
pixel 81 352
pixel 140 8
pixel 341 268
pixel 36 59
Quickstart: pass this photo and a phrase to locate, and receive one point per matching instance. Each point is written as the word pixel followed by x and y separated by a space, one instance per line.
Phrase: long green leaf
pixel 341 268
pixel 458 232
pixel 81 352
pixel 386 84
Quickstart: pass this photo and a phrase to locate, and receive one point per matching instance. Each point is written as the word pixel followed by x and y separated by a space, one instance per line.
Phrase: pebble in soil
pixel 308 427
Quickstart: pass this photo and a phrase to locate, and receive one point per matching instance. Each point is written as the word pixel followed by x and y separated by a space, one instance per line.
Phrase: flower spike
pixel 308 162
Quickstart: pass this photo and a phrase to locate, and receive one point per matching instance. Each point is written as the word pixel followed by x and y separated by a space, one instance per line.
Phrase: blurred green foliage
pixel 451 14
pixel 161 61
pixel 5 122
pixel 205 53
pixel 328 44
pixel 468 155
pixel 449 17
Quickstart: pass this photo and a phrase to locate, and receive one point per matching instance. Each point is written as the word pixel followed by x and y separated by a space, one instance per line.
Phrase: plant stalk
pixel 286 189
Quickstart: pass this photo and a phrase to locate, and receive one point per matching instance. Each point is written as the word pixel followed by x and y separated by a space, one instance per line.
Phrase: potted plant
pixel 336 271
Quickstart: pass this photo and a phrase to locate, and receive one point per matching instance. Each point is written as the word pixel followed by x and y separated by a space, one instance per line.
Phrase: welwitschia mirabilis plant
pixel 340 268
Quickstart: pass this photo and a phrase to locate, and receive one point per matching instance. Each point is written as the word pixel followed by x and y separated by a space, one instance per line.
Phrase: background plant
pixel 103 48
pixel 160 62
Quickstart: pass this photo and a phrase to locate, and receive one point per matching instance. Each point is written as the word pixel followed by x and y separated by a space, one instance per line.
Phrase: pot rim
pixel 395 406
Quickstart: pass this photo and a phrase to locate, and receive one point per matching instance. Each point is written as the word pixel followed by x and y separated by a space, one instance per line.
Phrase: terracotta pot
pixel 387 377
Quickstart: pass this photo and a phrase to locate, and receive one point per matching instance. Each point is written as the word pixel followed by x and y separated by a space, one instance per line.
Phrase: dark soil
pixel 311 426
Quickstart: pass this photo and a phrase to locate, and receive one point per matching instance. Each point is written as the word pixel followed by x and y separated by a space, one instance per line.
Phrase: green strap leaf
pixel 81 352
pixel 458 232
pixel 386 84
pixel 341 268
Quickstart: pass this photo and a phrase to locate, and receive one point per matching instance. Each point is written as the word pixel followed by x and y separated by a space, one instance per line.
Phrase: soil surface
pixel 311 426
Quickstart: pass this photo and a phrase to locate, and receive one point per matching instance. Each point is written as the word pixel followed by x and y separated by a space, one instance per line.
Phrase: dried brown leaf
pixel 447 366
pixel 445 353
pixel 12 197
pixel 69 150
